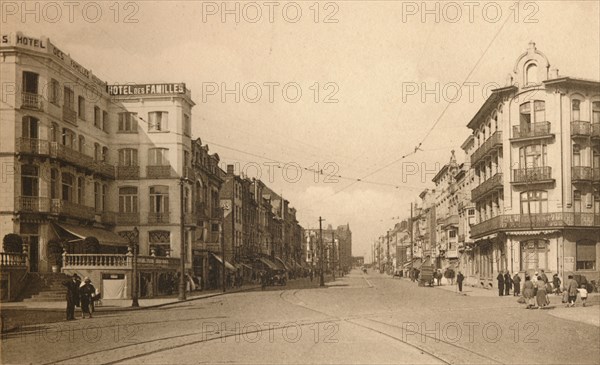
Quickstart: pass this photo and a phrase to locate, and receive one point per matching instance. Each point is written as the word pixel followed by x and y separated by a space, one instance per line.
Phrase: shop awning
pixel 270 264
pixel 104 237
pixel 282 264
pixel 227 264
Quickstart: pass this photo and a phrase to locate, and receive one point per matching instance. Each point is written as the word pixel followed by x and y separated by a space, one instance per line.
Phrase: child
pixel 583 294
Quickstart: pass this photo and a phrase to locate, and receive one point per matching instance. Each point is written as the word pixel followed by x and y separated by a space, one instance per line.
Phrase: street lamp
pixel 182 240
pixel 134 283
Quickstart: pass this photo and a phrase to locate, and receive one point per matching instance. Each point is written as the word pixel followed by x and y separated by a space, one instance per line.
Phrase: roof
pixel 573 80
pixel 489 104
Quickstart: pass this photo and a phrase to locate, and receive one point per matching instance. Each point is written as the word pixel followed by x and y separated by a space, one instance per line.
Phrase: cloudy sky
pixel 337 86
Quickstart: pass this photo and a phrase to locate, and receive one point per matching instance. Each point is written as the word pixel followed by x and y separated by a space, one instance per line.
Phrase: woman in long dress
pixel 541 297
pixel 528 291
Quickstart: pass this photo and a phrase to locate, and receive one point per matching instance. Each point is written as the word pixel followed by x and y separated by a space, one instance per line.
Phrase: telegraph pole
pixel 411 238
pixel 333 254
pixel 223 247
pixel 322 277
pixel 388 251
pixel 182 243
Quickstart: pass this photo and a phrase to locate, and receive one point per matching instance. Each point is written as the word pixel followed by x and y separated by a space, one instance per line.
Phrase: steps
pixel 45 287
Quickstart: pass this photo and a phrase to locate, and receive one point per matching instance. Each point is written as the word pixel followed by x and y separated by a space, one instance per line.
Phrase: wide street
pixel 357 319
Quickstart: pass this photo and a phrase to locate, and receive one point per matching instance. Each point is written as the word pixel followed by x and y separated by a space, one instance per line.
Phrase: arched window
pixel 30 181
pixel 105 154
pixel 160 242
pixel 128 157
pixel 158 157
pixel 98 196
pixel 525 115
pixel 534 255
pixel 575 110
pixel 67 181
pixel 576 154
pixel 534 202
pixel 81 146
pixel 128 199
pixel 54 183
pixel 531 74
pixel 30 127
pixel 586 255
pixel 81 190
pixel 159 199
pixel 596 112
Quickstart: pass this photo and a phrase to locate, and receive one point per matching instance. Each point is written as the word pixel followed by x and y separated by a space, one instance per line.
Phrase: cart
pixel 427 272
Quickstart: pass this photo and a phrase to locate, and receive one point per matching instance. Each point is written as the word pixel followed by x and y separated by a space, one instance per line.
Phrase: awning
pixel 417 264
pixel 104 237
pixel 270 264
pixel 282 265
pixel 227 264
pixel 531 233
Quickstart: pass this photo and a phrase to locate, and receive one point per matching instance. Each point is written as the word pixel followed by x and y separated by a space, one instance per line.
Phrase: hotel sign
pixel 146 89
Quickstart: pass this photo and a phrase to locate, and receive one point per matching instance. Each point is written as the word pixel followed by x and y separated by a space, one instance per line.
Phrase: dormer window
pixel 531 72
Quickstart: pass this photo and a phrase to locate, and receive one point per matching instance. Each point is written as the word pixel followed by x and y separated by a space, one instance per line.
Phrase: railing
pixel 126 219
pixel 128 172
pixel 581 173
pixel 156 218
pixel 596 174
pixel 33 146
pixel 33 204
pixel 31 101
pixel 490 184
pixel 535 220
pixel 69 115
pixel 541 129
pixel 62 207
pixel 596 130
pixel 103 168
pixel 158 172
pixel 117 261
pixel 534 174
pixel 14 260
pixel 494 141
pixel 70 155
pixel 581 128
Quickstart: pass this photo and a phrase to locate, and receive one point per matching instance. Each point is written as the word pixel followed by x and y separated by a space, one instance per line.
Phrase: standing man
pixel 517 285
pixel 72 295
pixel 507 283
pixel 459 281
pixel 500 279
pixel 544 277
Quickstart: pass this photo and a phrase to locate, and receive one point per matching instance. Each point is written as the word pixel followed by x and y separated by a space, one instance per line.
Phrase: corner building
pixel 536 168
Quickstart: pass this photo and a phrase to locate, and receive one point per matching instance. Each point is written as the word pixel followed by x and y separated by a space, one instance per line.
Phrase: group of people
pixel 80 294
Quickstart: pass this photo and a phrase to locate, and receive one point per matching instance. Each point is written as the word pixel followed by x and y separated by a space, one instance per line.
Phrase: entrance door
pixel 34 253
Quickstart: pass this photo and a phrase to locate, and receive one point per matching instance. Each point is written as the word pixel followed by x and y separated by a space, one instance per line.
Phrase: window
pixel 67 187
pixel 159 199
pixel 575 110
pixel 158 121
pixel 586 255
pixel 531 72
pixel 104 154
pixel 536 200
pixel 97 117
pixel 471 211
pixel 104 196
pixel 81 144
pixel 532 156
pixel 596 112
pixel 29 180
pixel 539 108
pixel 54 92
pixel 128 157
pixel 68 138
pixel 30 127
pixel 576 201
pixel 128 122
pixel 81 107
pixel 525 114
pixel 80 190
pixel 158 157
pixel 128 199
pixel 54 184
pixel 105 121
pixel 69 99
pixel 596 157
pixel 97 196
pixel 54 132
pixel 97 152
pixel 187 125
pixel 452 234
pixel 576 155
pixel 534 255
pixel 30 82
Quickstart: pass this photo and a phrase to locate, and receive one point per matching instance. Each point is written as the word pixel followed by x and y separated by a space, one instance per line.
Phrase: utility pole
pixel 182 243
pixel 411 238
pixel 322 277
pixel 223 247
pixel 388 264
pixel 333 261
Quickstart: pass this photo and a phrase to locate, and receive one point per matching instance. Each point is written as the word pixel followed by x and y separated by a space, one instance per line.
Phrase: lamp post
pixel 134 281
pixel 181 295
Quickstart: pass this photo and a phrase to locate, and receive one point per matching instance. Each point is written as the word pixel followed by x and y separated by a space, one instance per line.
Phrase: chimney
pixel 554 73
pixel 230 169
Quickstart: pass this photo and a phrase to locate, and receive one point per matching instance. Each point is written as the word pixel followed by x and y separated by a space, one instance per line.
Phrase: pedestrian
pixel 556 283
pixel 528 291
pixel 516 285
pixel 438 277
pixel 571 288
pixel 540 296
pixel 459 281
pixel 583 294
pixel 507 283
pixel 86 291
pixel 544 277
pixel 500 279
pixel 72 295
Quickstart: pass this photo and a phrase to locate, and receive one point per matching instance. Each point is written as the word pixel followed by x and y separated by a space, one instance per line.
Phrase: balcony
pixel 532 175
pixel 117 261
pixel 104 169
pixel 581 173
pixel 492 184
pixel 158 218
pixel 581 129
pixel 73 210
pixel 31 101
pixel 596 130
pixel 32 146
pixel 128 172
pixel 158 172
pixel 70 155
pixel 127 219
pixel 13 260
pixel 596 175
pixel 69 115
pixel 495 141
pixel 537 221
pixel 531 131
pixel 32 204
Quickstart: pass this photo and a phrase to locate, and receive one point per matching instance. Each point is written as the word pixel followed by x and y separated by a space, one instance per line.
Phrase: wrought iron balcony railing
pixel 491 184
pixel 159 218
pixel 158 172
pixel 495 141
pixel 32 204
pixel 580 128
pixel 127 218
pixel 128 172
pixel 31 101
pixel 534 221
pixel 596 130
pixel 581 173
pixel 73 210
pixel 532 175
pixel 541 129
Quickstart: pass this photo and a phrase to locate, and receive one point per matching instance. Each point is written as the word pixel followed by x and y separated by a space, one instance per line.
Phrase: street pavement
pixel 357 319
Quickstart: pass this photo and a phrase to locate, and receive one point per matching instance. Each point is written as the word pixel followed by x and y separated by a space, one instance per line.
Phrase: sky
pixel 343 87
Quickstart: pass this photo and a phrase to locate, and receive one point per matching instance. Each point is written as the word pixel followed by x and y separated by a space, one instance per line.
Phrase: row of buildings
pixel 90 170
pixel 526 197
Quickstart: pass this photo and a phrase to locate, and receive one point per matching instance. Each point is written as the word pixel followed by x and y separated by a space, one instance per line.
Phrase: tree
pixel 12 243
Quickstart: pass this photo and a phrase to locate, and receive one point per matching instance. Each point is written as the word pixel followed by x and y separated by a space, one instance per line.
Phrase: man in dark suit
pixel 72 295
pixel 500 279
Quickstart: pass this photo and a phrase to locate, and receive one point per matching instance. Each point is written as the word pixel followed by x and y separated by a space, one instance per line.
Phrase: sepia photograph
pixel 300 182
